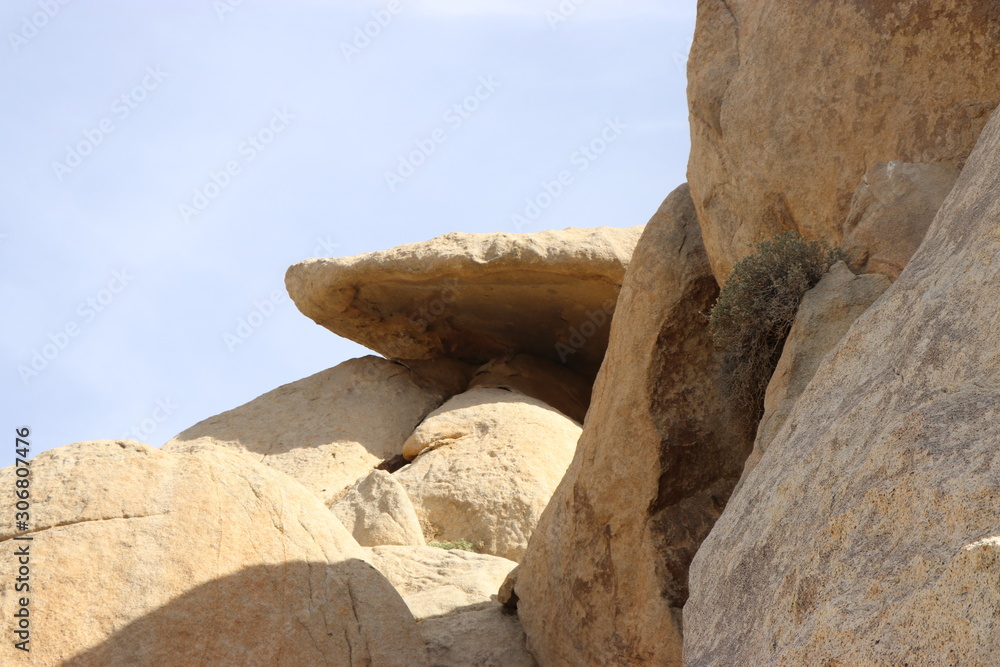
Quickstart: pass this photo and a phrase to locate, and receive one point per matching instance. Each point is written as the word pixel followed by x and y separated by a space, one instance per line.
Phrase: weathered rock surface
pixel 605 574
pixel 331 429
pixel 875 540
pixel 507 596
pixel 489 460
pixel 549 382
pixel 377 511
pixel 484 637
pixel 140 557
pixel 826 313
pixel 474 297
pixel 890 214
pixel 435 581
pixel 452 595
pixel 791 103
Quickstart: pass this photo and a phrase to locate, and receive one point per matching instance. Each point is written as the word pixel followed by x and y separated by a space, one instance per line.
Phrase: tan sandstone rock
pixel 141 557
pixel 435 581
pixel 868 533
pixel 474 297
pixel 489 460
pixel 484 637
pixel 549 382
pixel 792 102
pixel 890 214
pixel 377 511
pixel 329 430
pixel 826 313
pixel 507 595
pixel 605 574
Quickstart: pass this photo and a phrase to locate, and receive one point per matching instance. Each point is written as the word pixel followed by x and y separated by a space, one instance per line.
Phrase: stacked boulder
pixel 303 527
pixel 461 434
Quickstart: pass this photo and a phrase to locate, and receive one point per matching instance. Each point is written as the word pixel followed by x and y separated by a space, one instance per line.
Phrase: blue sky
pixel 165 162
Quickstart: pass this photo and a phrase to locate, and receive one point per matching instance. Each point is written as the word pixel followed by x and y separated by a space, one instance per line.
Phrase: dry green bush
pixel 756 308
pixel 462 545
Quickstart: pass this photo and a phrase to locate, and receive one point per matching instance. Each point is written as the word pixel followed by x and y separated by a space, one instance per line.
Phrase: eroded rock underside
pixel 475 297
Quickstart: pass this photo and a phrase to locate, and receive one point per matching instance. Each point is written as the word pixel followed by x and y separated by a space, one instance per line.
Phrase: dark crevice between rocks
pixel 703 445
pixel 393 464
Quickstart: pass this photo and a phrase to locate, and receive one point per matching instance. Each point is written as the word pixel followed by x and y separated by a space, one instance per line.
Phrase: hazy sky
pixel 165 162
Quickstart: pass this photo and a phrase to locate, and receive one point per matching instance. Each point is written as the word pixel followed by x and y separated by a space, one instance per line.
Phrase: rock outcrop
pixel 378 511
pixel 487 463
pixel 141 557
pixel 826 313
pixel 475 297
pixel 435 581
pixel 605 575
pixel 452 594
pixel 332 429
pixel 791 103
pixel 890 214
pixel 868 533
pixel 484 637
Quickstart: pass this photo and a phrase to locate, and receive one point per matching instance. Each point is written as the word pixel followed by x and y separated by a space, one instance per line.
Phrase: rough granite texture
pixel 869 534
pixel 792 102
pixel 890 213
pixel 826 313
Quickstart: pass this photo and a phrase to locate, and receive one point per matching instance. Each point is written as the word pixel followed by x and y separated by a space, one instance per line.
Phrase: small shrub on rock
pixel 462 545
pixel 756 308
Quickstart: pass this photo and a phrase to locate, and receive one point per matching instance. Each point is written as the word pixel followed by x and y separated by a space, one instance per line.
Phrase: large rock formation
pixel 487 463
pixel 890 214
pixel 332 429
pixel 868 533
pixel 792 102
pixel 140 557
pixel 475 297
pixel 825 314
pixel 605 574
